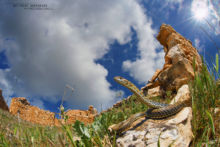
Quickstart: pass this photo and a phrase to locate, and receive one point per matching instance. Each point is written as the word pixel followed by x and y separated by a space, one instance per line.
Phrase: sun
pixel 199 9
pixel 200 14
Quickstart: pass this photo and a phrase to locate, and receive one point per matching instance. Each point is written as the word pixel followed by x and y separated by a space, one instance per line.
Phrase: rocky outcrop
pixel 3 104
pixel 177 72
pixel 22 108
pixel 86 117
pixel 180 56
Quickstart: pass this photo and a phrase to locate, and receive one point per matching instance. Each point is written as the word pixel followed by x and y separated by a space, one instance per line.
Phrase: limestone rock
pixel 174 77
pixel 179 58
pixel 153 92
pixel 3 104
pixel 175 131
pixel 182 94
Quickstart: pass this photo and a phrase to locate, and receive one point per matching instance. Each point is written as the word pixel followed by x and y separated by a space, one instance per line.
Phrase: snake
pixel 157 110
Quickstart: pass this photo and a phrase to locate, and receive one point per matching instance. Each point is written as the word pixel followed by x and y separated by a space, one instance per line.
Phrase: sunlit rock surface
pixel 179 58
pixel 22 108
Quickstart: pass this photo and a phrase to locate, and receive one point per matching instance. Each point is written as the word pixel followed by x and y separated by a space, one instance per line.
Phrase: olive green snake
pixel 158 111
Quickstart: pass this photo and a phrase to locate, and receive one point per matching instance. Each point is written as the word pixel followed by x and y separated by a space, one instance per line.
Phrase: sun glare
pixel 199 9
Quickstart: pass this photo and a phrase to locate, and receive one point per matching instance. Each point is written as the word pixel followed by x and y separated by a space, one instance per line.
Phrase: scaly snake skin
pixel 159 110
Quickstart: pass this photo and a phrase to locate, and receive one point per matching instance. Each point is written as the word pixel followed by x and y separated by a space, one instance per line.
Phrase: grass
pixel 205 92
pixel 16 132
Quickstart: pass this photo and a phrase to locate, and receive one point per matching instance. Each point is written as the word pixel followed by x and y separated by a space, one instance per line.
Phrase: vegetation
pixel 205 92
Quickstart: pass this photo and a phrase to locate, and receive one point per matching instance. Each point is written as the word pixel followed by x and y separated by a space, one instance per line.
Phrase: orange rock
pixel 179 58
pixel 3 104
pixel 21 107
pixel 85 116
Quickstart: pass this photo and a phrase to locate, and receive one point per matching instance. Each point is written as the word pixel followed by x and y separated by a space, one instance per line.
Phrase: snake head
pixel 120 79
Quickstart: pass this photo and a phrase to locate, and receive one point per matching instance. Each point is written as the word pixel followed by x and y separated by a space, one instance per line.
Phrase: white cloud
pixel 148 60
pixel 52 48
pixel 198 45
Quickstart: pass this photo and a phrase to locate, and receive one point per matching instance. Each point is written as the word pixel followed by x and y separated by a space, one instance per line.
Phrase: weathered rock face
pixel 179 58
pixel 21 107
pixel 174 131
pixel 3 104
pixel 86 117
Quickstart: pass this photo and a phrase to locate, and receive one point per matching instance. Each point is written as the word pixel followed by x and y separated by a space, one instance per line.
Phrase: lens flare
pixel 199 9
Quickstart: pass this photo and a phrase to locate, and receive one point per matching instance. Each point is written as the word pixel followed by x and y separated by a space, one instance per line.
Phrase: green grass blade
pixel 211 122
pixel 158 142
pixel 69 134
pixel 216 63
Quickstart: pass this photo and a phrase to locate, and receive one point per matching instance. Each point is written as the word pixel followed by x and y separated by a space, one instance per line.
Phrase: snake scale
pixel 157 111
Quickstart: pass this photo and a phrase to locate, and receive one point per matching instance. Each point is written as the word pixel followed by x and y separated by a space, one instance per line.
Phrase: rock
pixel 22 108
pixel 171 79
pixel 92 110
pixel 179 58
pixel 175 131
pixel 3 104
pixel 85 116
pixel 153 92
pixel 182 94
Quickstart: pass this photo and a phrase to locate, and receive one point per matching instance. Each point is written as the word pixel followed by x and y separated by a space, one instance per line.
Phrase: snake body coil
pixel 159 110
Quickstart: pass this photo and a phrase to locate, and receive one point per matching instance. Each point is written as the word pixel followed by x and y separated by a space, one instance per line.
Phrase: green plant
pixel 205 97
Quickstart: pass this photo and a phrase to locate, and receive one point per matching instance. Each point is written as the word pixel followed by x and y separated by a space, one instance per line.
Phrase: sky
pixel 52 50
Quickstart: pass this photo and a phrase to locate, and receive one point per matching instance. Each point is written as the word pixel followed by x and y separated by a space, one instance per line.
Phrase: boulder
pixel 175 132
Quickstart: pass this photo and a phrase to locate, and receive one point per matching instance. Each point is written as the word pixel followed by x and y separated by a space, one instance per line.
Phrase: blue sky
pixel 84 44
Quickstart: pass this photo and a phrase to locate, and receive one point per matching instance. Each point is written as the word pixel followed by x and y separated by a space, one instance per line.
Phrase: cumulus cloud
pixel 52 48
pixel 148 59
